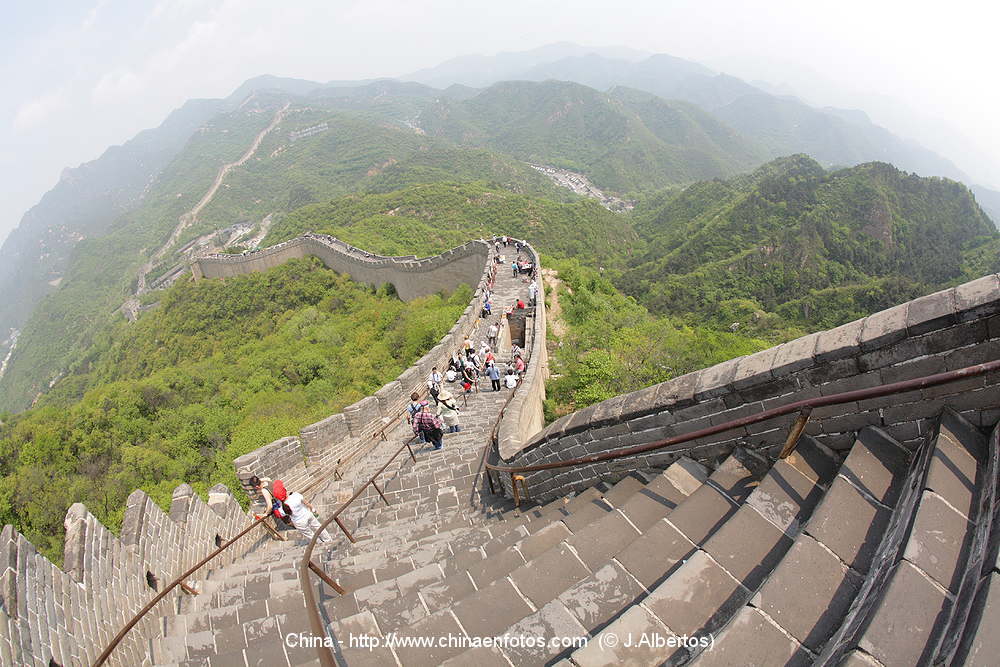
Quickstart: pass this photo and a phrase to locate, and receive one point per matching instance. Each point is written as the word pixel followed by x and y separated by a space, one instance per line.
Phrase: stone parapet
pixel 333 444
pixel 69 615
pixel 939 332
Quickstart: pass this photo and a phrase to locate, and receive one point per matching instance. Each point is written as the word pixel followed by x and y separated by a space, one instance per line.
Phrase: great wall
pixel 873 543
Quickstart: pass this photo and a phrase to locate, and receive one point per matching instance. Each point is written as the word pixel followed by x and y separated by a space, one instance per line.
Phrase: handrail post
pixel 513 486
pixel 796 432
pixel 327 579
pixel 380 493
pixel 524 485
pixel 187 589
pixel 410 449
pixel 345 531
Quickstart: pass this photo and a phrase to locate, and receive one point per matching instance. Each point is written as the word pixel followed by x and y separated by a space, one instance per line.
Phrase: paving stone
pixel 911 613
pixel 601 596
pixel 626 648
pixel 584 515
pixel 550 622
pixel 939 541
pixel 809 592
pixel 266 654
pixel 441 594
pixel 491 609
pixel 548 575
pixel 876 464
pixel 813 460
pixel 718 596
pixel 985 645
pixel 702 513
pixel 748 547
pixel 230 640
pixel 653 555
pixel 480 657
pixel 952 472
pixel 853 541
pixel 417 579
pixel 686 475
pixel 601 540
pixel 753 640
pixel 546 538
pixel 858 658
pixel 399 612
pixel 498 566
pixel 234 659
pixel 653 502
pixel 734 478
pixel 200 644
pixel 785 497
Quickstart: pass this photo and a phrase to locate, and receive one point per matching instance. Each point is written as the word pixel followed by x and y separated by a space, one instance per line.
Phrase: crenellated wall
pixel 69 615
pixel 334 443
pixel 411 277
pixel 943 331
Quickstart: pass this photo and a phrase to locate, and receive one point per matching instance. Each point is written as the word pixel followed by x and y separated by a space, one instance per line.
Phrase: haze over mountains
pixel 636 125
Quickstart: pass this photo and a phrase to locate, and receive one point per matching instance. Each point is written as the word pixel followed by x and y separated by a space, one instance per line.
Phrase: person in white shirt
pixel 434 384
pixel 509 380
pixel 302 513
pixel 532 291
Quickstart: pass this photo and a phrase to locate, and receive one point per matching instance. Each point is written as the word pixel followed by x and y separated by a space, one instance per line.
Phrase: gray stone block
pixel 978 298
pixel 716 380
pixel 884 328
pixel 678 392
pixel 934 311
pixel 755 368
pixel 794 355
pixel 839 343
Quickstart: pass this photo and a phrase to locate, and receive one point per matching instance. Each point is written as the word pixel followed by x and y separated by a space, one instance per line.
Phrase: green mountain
pixel 819 248
pixel 625 141
pixel 218 369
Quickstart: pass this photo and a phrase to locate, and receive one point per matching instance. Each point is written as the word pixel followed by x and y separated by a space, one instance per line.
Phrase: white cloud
pixel 91 18
pixel 38 111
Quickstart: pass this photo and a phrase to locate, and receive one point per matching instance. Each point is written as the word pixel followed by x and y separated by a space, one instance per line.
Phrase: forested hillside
pixel 218 369
pixel 818 248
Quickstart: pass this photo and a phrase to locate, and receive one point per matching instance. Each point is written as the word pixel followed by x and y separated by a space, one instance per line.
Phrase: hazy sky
pixel 81 75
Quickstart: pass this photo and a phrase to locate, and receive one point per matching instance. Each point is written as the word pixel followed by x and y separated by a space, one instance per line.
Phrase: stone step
pixel 564 562
pixel 915 609
pixel 712 569
pixel 808 594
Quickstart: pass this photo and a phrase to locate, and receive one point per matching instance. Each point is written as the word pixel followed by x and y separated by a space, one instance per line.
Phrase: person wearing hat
pixel 429 425
pixel 448 411
pixel 303 515
pixel 261 486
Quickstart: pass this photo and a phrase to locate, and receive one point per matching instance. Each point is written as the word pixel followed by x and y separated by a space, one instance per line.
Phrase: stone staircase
pixel 807 560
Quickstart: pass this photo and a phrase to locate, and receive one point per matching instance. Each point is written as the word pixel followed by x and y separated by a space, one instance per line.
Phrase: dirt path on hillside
pixel 553 313
pixel 131 307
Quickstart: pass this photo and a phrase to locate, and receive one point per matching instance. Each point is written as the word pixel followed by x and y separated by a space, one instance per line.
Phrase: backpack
pixel 281 510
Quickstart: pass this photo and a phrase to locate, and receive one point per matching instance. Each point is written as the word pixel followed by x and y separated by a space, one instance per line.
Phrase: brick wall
pixel 69 615
pixel 411 277
pixel 336 442
pixel 943 331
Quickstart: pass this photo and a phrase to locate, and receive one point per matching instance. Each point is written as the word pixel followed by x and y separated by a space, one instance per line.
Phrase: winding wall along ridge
pixel 69 615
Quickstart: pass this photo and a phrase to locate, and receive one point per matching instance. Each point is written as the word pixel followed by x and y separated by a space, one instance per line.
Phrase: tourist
pixel 493 373
pixel 434 384
pixel 261 487
pixel 488 358
pixel 411 410
pixel 455 363
pixel 430 426
pixel 519 365
pixel 488 308
pixel 520 304
pixel 492 334
pixel 450 375
pixel 532 292
pixel 469 349
pixel 510 380
pixel 448 411
pixel 303 515
pixel 513 267
pixel 469 377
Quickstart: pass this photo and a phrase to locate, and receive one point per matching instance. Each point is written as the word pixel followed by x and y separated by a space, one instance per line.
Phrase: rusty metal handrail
pixel 106 653
pixel 797 406
pixel 306 565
